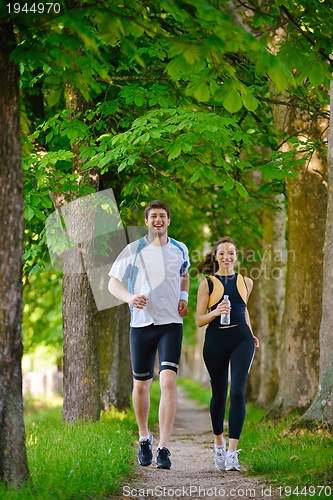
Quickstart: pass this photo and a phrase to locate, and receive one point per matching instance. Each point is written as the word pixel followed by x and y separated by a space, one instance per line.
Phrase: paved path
pixel 193 474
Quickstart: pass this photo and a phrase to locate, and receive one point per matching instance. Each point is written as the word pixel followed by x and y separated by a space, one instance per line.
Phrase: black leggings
pixel 223 345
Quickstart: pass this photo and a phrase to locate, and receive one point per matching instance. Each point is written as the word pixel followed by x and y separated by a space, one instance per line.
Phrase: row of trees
pixel 221 109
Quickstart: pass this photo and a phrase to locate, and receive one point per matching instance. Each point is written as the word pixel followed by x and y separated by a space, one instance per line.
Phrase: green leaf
pixel 199 89
pixel 36 268
pixel 249 101
pixel 175 49
pixel 175 151
pixel 202 93
pixel 241 190
pixel 49 136
pixel 191 55
pixel 195 176
pixel 54 98
pixel 155 134
pixel 227 186
pixel 233 102
pixel 279 78
pixel 139 101
pixel 122 166
pixel 136 30
pixel 173 68
pixel 317 74
pixel 186 147
pixel 145 137
pixel 72 134
pixel 46 202
pixel 128 189
pixel 28 213
pixel 39 213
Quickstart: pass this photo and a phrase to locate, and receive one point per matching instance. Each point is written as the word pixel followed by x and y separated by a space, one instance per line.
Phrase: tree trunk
pixel 114 355
pixel 81 362
pixel 13 458
pixel 272 289
pixel 307 202
pixel 322 407
pixel 81 365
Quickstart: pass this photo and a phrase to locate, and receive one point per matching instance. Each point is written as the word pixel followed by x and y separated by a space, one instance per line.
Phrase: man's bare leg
pixel 168 405
pixel 141 404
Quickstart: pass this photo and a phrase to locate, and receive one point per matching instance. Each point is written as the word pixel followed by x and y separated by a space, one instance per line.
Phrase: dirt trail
pixel 193 474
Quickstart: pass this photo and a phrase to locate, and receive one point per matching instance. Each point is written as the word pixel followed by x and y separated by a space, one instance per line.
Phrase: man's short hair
pixel 156 204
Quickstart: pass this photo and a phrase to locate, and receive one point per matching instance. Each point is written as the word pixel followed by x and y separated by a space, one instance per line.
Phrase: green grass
pixel 285 454
pixel 88 461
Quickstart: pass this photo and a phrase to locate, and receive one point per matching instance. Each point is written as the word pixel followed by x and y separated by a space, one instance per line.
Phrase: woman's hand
pixel 222 308
pixel 256 341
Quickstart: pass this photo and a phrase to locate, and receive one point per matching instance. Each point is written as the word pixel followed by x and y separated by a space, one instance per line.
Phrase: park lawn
pixel 90 461
pixel 86 461
pixel 295 459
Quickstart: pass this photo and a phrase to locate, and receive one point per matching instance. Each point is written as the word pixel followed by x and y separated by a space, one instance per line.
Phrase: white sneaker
pixel 231 461
pixel 220 456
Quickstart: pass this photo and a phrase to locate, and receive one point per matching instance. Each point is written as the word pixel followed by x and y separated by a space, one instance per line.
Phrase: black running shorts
pixel 146 340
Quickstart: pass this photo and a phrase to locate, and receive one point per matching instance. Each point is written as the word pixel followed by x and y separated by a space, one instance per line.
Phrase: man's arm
pixel 118 290
pixel 185 282
pixel 184 287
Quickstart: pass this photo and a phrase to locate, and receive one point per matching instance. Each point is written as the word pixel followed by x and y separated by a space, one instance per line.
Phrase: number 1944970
pixel 37 8
pixel 304 491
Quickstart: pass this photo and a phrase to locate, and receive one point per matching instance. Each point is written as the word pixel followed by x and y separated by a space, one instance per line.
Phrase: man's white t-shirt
pixel 153 271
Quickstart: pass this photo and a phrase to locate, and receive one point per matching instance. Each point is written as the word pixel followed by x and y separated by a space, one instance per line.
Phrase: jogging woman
pixel 233 344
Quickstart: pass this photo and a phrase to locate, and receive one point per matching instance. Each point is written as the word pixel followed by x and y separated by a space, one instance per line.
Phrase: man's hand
pixel 138 301
pixel 182 308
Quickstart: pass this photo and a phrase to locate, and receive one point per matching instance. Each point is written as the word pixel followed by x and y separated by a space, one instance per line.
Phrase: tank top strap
pixel 217 292
pixel 242 288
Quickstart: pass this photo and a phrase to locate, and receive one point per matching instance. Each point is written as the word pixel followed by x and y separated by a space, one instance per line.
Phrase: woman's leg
pixel 240 364
pixel 217 362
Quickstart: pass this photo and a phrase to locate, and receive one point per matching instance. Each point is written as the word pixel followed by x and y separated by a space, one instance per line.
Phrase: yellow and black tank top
pixel 236 288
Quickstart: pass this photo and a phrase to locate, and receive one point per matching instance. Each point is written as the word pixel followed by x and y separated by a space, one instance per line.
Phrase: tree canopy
pixel 179 103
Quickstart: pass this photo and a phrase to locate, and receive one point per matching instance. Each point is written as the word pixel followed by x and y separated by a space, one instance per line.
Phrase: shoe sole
pixel 145 465
pixel 161 466
pixel 232 468
pixel 219 468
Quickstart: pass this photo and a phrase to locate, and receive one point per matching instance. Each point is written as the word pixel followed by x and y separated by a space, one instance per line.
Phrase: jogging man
pixel 156 271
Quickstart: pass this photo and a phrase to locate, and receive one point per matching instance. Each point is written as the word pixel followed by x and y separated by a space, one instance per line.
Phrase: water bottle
pixel 225 318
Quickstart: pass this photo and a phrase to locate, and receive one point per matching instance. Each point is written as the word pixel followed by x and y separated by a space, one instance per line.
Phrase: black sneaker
pixel 162 458
pixel 145 454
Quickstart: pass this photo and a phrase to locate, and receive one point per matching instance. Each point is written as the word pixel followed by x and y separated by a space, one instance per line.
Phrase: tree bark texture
pixel 307 203
pixel 81 363
pixel 271 285
pixel 114 356
pixel 13 458
pixel 322 407
pixel 79 311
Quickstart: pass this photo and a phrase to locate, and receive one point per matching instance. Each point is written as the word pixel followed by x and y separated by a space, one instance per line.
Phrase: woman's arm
pixel 202 317
pixel 249 286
